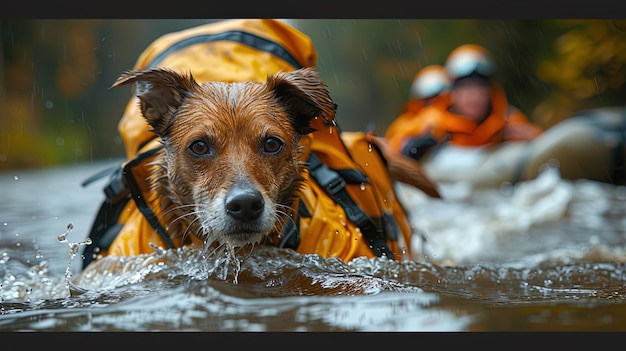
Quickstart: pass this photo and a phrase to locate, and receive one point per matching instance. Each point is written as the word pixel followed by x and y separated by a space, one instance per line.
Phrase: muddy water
pixel 546 255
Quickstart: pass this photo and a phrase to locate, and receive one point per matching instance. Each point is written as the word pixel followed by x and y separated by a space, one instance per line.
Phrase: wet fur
pixel 238 124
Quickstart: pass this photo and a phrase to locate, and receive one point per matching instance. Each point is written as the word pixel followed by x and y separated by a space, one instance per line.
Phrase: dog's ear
pixel 304 95
pixel 160 91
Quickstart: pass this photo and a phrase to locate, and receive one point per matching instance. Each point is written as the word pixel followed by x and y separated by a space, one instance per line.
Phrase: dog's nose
pixel 245 205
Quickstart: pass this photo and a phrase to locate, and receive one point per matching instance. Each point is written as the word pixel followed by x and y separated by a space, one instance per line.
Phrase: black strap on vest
pixel 238 36
pixel 140 199
pixel 105 226
pixel 335 185
pixel 122 187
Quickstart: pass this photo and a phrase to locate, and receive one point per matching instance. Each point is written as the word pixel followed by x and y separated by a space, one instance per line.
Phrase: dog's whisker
pixel 184 234
pixel 216 248
pixel 281 217
pixel 185 215
pixel 179 207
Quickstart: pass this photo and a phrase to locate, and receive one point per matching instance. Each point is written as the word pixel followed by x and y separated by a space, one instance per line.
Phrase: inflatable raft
pixel 589 145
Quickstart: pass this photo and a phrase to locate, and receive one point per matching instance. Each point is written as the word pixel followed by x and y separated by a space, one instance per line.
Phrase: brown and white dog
pixel 230 169
pixel 230 166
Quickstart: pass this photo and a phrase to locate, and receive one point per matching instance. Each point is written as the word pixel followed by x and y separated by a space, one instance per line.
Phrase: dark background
pixel 56 107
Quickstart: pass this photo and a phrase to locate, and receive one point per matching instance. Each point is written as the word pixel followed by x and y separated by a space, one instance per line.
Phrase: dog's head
pixel 231 155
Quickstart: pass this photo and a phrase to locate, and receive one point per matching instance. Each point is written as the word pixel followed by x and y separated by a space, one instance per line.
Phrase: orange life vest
pixel 348 207
pixel 407 117
pixel 437 121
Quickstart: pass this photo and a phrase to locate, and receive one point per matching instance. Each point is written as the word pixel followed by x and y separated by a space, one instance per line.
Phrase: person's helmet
pixel 429 82
pixel 470 59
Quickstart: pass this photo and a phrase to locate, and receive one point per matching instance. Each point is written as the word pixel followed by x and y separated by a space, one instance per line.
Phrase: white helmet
pixel 429 82
pixel 468 59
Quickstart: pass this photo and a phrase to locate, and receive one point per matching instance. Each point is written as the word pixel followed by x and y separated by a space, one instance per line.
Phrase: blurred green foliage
pixel 56 106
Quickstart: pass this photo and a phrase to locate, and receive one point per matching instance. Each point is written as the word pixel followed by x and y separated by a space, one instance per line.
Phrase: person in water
pixel 474 111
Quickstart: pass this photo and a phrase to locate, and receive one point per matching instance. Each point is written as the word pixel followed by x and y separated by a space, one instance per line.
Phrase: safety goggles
pixel 465 63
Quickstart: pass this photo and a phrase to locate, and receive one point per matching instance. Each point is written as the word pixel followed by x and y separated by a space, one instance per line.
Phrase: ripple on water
pixel 487 259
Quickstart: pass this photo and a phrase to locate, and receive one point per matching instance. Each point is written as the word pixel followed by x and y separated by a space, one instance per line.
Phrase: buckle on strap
pixel 116 184
pixel 335 185
pixel 332 181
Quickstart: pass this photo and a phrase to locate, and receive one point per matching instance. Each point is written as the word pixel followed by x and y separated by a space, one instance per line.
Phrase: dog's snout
pixel 245 204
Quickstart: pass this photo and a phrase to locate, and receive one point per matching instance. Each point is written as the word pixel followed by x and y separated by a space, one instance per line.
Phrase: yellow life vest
pixel 347 208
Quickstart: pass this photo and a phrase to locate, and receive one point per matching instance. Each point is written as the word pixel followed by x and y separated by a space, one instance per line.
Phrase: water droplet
pixel 62 237
pixel 362 186
pixel 16 178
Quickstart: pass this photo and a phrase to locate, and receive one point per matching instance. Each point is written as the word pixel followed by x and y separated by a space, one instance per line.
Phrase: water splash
pixel 73 250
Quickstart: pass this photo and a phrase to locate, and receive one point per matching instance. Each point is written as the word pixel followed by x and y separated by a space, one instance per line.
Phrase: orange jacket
pixel 435 120
pixel 407 117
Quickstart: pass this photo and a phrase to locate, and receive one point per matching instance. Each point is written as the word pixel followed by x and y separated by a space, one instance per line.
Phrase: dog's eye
pixel 272 145
pixel 199 148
